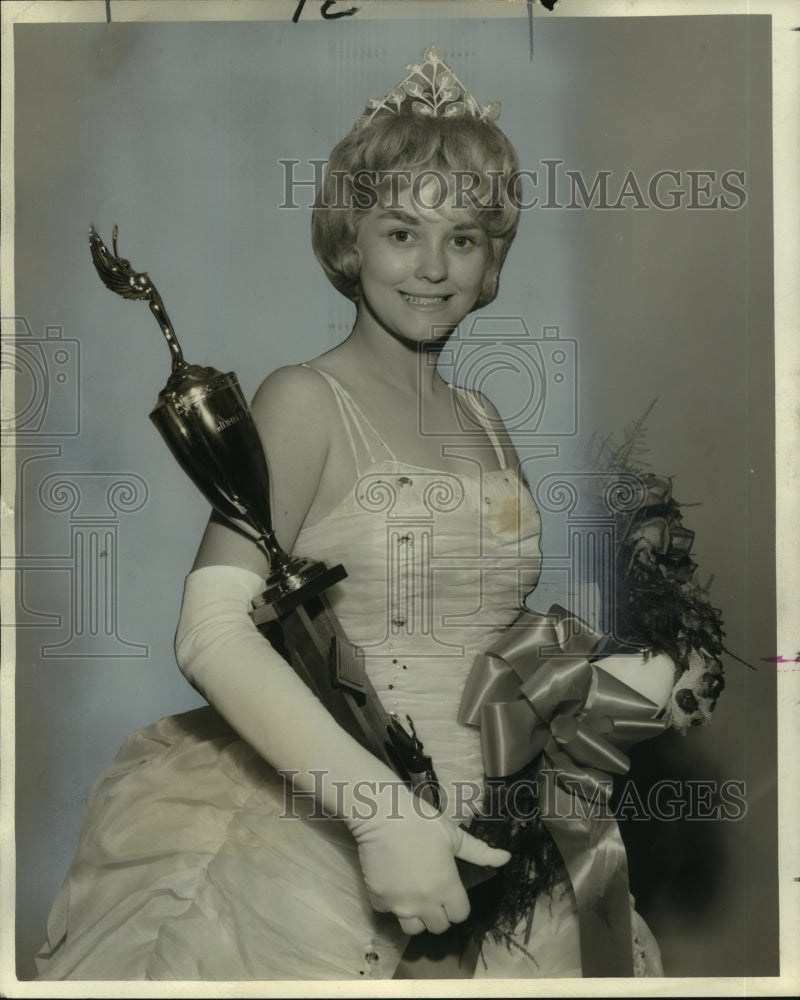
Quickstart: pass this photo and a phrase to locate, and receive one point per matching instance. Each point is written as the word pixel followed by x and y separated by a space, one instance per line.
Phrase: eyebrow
pixel 394 213
pixel 413 220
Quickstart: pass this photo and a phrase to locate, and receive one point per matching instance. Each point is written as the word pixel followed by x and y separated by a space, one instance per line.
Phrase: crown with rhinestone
pixel 435 90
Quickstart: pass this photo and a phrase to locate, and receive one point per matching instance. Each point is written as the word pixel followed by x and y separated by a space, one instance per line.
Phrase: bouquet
pixel 659 603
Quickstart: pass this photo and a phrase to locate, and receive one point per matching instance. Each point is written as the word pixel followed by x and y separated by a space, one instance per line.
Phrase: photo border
pixel 787 344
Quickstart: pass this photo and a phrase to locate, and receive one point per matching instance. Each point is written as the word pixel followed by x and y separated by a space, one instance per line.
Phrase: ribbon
pixel 536 697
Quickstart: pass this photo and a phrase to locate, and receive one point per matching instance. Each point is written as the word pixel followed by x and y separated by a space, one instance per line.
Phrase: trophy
pixel 204 418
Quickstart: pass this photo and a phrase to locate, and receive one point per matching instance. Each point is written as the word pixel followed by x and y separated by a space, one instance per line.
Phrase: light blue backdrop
pixel 175 131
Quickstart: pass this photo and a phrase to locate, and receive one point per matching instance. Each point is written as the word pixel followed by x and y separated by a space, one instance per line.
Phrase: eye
pixel 400 235
pixel 463 242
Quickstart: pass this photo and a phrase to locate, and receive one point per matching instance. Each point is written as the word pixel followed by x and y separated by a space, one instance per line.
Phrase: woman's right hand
pixel 407 854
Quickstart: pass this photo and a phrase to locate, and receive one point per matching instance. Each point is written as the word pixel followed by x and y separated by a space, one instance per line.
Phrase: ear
pixel 489 287
pixel 348 269
pixel 350 263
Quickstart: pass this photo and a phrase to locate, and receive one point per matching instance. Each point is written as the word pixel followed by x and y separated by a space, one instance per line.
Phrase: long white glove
pixel 406 853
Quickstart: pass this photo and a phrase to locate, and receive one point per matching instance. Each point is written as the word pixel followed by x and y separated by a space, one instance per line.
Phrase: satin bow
pixel 536 697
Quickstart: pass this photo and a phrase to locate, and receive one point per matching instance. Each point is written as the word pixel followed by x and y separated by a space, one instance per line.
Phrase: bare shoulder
pixel 294 404
pixel 492 416
pixel 293 389
pixel 292 411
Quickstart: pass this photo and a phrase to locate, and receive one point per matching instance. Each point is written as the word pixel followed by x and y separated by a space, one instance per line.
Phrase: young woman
pixel 256 839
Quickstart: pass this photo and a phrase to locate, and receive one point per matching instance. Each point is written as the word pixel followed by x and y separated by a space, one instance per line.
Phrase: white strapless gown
pixel 188 866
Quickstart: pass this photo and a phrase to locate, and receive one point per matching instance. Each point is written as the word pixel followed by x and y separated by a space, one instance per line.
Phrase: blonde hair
pixel 409 143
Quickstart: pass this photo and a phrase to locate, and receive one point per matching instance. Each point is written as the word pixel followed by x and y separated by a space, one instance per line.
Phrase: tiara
pixel 436 91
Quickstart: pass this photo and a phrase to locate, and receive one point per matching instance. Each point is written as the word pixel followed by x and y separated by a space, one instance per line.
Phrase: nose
pixel 432 261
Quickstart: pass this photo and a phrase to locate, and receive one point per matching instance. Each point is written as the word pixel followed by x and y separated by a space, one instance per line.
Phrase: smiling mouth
pixel 425 300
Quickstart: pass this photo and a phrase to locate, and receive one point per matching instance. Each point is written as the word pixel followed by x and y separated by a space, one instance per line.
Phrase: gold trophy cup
pixel 204 418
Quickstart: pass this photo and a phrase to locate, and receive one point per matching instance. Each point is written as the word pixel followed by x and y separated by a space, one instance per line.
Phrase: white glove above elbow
pixel 406 852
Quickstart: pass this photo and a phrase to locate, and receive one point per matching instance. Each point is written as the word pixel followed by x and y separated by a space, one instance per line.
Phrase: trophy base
pixel 298 582
pixel 295 604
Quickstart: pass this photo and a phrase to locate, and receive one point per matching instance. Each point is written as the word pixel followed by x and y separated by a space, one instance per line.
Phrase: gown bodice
pixel 191 862
pixel 438 566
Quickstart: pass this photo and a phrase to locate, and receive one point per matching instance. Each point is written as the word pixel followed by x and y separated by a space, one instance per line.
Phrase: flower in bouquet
pixel 659 604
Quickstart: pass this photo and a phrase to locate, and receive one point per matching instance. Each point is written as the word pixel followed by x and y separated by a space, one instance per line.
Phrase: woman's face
pixel 422 269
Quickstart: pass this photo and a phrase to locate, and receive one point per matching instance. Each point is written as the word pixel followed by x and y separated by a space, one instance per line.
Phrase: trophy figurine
pixel 204 418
